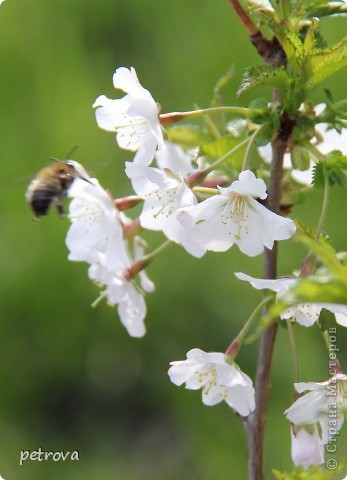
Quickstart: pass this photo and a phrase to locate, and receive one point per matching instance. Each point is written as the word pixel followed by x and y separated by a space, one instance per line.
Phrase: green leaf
pixel 321 63
pixel 187 136
pixel 220 147
pixel 324 9
pixel 264 75
pixel 300 157
pixel 326 319
pixel 291 44
pixel 310 39
pixel 334 169
pixel 311 473
pixel 323 250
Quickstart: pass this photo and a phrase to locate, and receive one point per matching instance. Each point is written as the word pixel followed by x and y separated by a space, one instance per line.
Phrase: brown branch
pixel 270 50
pixel 255 422
pixel 272 53
pixel 247 22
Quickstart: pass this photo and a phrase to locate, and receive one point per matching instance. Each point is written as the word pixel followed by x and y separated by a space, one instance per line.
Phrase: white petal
pixel 307 314
pixel 126 80
pixel 308 408
pixel 247 184
pixel 307 448
pixel 110 114
pixel 279 285
pixel 132 311
pixel 332 140
pixel 242 399
pixel 180 372
pixel 145 154
pixel 175 159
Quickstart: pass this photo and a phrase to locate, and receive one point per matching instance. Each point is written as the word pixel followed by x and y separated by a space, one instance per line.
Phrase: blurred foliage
pixel 71 378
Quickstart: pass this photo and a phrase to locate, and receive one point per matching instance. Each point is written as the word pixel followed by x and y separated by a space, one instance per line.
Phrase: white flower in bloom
pixel 234 216
pixel 175 159
pixel 218 379
pixel 134 117
pixel 304 313
pixel 96 237
pixel 164 193
pixel 326 403
pixel 307 446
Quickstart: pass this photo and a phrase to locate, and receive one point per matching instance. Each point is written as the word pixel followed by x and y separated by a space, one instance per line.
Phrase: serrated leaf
pixel 264 75
pixel 322 63
pixel 291 44
pixel 310 39
pixel 187 136
pixel 334 169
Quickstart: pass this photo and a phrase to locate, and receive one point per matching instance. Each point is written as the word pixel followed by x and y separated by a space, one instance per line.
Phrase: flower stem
pixel 236 344
pixel 249 147
pixel 340 104
pixel 173 117
pixel 140 264
pixel 337 364
pixel 227 155
pixel 294 351
pixel 197 177
pixel 323 213
pixel 99 299
pixel 316 152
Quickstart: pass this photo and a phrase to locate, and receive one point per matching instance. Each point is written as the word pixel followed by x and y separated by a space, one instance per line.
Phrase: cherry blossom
pixel 234 216
pixel 218 379
pixel 323 398
pixel 134 117
pixel 307 446
pixel 305 314
pixel 96 237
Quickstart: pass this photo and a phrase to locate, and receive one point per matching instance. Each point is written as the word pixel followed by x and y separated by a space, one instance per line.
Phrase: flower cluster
pixel 202 205
pixel 96 237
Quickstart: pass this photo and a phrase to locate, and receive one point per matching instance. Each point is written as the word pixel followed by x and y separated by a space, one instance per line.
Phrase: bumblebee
pixel 51 185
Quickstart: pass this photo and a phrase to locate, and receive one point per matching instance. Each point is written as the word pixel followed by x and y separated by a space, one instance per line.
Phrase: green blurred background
pixel 71 378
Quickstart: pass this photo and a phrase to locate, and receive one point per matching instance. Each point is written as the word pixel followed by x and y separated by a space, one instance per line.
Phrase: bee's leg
pixel 60 210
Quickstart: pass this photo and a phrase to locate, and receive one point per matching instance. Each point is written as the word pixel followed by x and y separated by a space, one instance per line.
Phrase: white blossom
pixel 307 446
pixel 134 117
pixel 96 237
pixel 164 193
pixel 323 399
pixel 234 216
pixel 174 158
pixel 218 379
pixel 304 313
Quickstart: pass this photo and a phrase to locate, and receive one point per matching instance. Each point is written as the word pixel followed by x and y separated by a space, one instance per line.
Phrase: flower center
pixel 166 200
pixel 208 381
pixel 236 213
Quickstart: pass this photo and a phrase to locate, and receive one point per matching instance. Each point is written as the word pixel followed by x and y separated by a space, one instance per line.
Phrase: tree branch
pixel 270 50
pixel 272 53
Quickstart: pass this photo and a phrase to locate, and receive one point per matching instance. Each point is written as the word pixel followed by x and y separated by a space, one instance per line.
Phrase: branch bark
pixel 272 53
pixel 255 423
